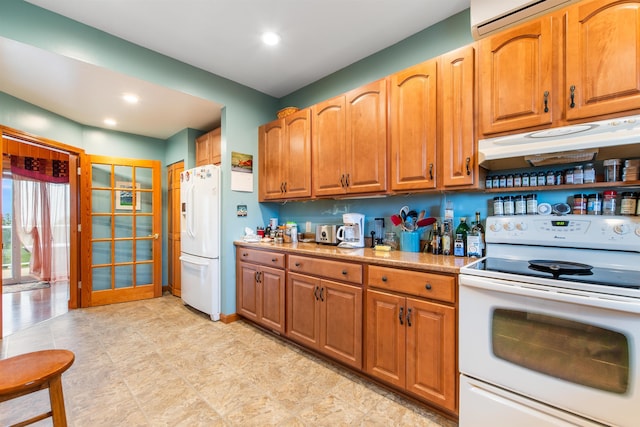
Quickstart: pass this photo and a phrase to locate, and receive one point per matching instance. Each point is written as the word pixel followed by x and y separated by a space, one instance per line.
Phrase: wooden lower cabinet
pixel 260 290
pixel 411 343
pixel 326 316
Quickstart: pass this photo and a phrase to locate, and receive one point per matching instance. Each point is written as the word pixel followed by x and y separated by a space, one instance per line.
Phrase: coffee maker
pixel 351 234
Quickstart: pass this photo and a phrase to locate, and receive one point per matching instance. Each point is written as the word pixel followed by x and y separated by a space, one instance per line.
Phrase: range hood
pixel 601 140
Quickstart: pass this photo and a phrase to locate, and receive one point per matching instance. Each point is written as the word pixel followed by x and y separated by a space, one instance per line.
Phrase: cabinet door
pixel 341 322
pixel 203 147
pixel 215 146
pixel 413 127
pixel 516 69
pixel 366 138
pixel 270 180
pixel 248 297
pixel 297 152
pixel 272 313
pixel 303 320
pixel 329 147
pixel 431 352
pixel 385 357
pixel 459 155
pixel 603 57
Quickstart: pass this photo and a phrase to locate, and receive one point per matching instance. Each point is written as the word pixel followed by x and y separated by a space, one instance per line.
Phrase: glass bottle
pixel 463 229
pixel 447 239
pixel 479 228
pixel 458 245
pixel 436 240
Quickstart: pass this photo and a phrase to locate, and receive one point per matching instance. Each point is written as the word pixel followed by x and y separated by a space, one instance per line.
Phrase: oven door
pixel 567 349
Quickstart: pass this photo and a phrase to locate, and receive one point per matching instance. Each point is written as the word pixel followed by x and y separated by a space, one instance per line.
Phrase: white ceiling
pixel 319 37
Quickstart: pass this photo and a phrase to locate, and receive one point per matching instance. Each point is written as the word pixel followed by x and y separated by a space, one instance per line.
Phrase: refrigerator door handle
pixel 190 213
pixel 189 260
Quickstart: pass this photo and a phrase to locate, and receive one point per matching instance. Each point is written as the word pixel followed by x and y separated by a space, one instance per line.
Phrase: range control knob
pixel 638 231
pixel 522 226
pixel 495 227
pixel 621 229
pixel 509 226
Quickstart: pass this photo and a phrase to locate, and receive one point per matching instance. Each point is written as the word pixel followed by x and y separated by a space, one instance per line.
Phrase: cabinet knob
pixel 431 171
pixel 401 316
pixel 468 161
pixel 344 272
pixel 408 317
pixel 245 254
pixel 428 286
pixel 384 278
pixel 297 264
pixel 274 259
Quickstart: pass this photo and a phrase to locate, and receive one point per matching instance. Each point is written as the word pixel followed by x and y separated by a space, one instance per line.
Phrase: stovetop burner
pixel 562 270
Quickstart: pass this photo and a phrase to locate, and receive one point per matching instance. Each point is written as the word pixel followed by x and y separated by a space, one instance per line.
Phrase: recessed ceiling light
pixel 270 38
pixel 131 98
pixel 110 122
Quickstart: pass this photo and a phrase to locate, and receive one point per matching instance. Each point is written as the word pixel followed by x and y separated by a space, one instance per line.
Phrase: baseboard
pixel 229 318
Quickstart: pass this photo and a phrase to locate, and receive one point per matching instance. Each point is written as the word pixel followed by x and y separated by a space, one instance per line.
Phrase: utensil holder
pixel 410 241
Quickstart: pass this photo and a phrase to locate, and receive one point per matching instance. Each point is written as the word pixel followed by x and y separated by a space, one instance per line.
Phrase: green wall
pixel 244 108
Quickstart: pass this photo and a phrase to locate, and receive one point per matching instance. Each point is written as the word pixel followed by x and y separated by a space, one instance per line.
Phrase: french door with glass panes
pixel 124 217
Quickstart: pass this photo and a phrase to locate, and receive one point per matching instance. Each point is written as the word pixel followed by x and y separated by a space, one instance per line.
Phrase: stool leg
pixel 57 402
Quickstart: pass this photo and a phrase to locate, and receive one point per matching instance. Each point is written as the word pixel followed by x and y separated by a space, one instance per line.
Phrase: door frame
pixel 76 157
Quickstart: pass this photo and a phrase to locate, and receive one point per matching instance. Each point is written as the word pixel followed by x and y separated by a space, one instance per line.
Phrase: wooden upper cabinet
pixel 350 142
pixel 603 58
pixel 366 126
pixel 285 157
pixel 516 71
pixel 329 146
pixel 413 126
pixel 208 148
pixel 459 152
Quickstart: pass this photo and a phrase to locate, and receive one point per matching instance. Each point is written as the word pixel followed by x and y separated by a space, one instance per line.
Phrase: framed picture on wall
pixel 124 196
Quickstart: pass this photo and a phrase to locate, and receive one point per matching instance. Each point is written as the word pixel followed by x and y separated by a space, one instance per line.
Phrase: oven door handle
pixel 618 303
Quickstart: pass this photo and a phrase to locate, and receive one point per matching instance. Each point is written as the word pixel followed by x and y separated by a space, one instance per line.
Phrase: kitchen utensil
pixel 404 211
pixel 424 222
pixel 396 220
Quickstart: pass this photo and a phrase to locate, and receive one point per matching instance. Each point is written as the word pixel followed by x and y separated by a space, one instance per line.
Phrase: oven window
pixel 577 352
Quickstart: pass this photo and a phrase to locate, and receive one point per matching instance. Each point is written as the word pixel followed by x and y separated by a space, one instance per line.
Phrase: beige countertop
pixel 398 259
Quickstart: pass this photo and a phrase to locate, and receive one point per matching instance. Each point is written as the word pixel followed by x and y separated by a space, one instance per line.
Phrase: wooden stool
pixel 26 373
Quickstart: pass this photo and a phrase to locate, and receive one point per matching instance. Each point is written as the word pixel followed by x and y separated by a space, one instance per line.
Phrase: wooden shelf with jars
pixel 615 184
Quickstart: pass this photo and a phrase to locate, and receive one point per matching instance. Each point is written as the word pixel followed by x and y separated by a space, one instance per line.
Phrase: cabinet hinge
pixel 79 170
pixel 79 284
pixel 79 227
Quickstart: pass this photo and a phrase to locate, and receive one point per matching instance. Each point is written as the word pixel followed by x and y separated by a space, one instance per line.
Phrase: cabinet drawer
pixel 272 259
pixel 427 285
pixel 343 271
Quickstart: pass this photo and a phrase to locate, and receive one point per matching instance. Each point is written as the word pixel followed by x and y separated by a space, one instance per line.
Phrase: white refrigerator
pixel 200 238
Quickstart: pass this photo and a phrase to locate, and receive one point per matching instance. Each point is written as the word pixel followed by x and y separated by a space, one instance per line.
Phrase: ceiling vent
pixel 491 16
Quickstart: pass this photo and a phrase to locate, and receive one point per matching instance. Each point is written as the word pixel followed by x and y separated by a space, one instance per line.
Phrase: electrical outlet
pixel 307 227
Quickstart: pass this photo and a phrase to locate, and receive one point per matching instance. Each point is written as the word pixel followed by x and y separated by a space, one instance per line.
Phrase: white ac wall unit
pixel 490 16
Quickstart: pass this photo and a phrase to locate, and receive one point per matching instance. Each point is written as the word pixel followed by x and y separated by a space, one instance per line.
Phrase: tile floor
pixel 159 363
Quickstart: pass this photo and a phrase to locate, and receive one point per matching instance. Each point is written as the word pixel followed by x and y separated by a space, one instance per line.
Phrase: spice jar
pixel 498 206
pixel 509 181
pixel 517 180
pixel 391 239
pixel 609 202
pixel 496 182
pixel 542 179
pixel 533 179
pixel 594 204
pixel 628 203
pixel 488 183
pixel 612 170
pixel 568 176
pixel 551 178
pixel 579 204
pixel 578 175
pixel 532 204
pixel 509 205
pixel 503 181
pixel 520 205
pixel 525 179
pixel 589 174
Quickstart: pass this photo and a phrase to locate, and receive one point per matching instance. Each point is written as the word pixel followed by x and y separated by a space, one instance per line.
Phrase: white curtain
pixel 41 221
